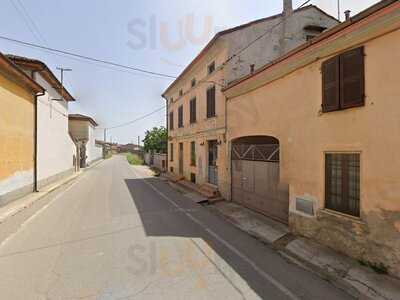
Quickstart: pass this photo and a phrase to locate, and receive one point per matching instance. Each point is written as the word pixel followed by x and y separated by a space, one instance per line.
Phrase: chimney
pixel 287 7
pixel 347 14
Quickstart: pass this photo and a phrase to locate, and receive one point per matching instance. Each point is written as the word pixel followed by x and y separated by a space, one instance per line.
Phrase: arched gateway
pixel 255 176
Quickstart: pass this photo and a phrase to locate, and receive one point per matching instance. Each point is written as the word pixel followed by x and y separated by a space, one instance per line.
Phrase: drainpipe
pixel 166 142
pixel 35 146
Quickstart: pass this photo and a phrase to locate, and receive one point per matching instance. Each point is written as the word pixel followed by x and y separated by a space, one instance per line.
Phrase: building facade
pixel 18 95
pixel 312 138
pixel 83 131
pixel 55 150
pixel 196 106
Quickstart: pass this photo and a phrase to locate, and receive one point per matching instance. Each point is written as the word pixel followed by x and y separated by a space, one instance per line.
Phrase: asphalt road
pixel 116 233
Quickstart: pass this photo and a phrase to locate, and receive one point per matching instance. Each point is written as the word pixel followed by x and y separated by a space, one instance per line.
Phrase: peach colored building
pixel 196 106
pixel 18 95
pixel 317 132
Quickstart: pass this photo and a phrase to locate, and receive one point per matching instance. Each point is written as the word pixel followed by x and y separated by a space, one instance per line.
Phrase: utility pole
pixel 105 135
pixel 62 80
pixel 338 9
pixel 138 140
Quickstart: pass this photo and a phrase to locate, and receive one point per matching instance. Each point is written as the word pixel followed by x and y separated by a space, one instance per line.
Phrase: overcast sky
pixel 145 34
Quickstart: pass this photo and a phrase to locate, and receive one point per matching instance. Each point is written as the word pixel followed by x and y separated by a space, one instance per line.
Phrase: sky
pixel 157 35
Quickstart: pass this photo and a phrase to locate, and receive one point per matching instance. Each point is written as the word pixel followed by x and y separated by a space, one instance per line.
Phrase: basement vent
pixel 305 206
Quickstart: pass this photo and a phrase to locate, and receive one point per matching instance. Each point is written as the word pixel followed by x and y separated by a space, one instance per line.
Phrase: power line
pixel 89 58
pixel 135 120
pixel 25 19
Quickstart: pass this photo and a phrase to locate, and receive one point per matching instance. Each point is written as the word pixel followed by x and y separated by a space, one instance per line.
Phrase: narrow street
pixel 115 233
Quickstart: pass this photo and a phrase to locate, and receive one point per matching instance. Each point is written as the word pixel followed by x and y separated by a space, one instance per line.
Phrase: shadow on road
pixel 236 255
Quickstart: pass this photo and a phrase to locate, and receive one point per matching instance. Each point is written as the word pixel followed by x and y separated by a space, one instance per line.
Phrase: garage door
pixel 255 179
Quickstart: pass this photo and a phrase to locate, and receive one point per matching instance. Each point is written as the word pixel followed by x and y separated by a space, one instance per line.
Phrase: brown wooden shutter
pixel 352 78
pixel 193 110
pixel 211 102
pixel 330 84
pixel 171 120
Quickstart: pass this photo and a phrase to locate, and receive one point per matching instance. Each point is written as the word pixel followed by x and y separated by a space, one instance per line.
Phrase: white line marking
pixel 232 248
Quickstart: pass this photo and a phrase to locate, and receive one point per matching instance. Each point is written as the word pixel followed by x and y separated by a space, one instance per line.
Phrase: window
pixel 211 68
pixel 193 177
pixel 180 92
pixel 309 37
pixel 171 169
pixel 193 111
pixel 171 152
pixel 180 116
pixel 211 102
pixel 193 83
pixel 343 81
pixel 342 183
pixel 171 120
pixel 193 153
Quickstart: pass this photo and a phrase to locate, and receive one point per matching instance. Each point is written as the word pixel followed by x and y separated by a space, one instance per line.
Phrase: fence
pixel 156 160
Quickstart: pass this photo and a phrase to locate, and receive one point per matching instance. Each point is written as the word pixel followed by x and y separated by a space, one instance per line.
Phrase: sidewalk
pixel 340 270
pixel 16 206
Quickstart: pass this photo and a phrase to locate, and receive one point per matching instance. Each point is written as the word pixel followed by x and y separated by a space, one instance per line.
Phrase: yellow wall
pixel 16 129
pixel 204 129
pixel 289 109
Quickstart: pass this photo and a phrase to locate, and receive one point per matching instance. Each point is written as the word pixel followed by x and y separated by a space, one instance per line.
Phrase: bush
pixel 133 159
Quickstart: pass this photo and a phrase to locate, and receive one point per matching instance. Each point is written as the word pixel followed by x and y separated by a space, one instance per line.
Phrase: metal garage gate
pixel 255 179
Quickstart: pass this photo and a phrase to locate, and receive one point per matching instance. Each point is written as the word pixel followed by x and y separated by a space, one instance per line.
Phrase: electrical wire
pixel 135 120
pixel 106 62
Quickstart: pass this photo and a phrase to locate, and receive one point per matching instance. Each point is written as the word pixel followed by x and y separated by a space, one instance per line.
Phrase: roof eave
pixel 17 73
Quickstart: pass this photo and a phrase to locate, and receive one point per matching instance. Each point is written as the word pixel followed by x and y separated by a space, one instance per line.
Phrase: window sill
pixel 211 118
pixel 339 215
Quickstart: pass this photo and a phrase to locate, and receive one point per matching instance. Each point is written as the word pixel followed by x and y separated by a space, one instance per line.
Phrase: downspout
pixel 166 142
pixel 35 147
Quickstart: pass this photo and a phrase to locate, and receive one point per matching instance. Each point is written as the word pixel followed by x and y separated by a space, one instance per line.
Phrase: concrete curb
pixel 341 271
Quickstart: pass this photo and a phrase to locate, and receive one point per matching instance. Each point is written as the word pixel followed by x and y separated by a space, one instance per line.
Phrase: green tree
pixel 156 140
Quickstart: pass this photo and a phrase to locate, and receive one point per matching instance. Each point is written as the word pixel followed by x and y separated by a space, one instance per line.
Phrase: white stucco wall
pixel 55 146
pixel 93 152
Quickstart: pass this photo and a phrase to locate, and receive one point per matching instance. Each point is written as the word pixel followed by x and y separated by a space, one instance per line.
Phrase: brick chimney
pixel 287 7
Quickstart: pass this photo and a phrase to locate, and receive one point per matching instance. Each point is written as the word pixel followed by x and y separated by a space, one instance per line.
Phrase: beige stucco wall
pixel 290 110
pixel 204 129
pixel 16 136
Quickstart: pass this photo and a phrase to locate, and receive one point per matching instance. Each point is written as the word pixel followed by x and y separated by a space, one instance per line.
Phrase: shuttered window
pixel 193 153
pixel 343 81
pixel 331 86
pixel 193 111
pixel 211 68
pixel 352 78
pixel 342 183
pixel 180 116
pixel 171 152
pixel 171 121
pixel 211 102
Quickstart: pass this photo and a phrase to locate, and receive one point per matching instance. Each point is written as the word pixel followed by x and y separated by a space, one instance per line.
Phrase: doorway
pixel 212 162
pixel 181 159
